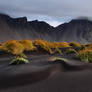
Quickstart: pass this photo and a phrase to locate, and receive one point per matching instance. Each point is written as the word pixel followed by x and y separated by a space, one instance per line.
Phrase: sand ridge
pixel 40 75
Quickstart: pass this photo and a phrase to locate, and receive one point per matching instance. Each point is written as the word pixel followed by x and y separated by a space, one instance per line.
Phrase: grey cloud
pixel 52 8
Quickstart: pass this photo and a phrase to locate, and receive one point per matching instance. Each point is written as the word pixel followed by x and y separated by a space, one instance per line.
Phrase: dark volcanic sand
pixel 41 76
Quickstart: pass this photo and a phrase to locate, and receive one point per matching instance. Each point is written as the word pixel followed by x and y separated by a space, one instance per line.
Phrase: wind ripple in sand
pixel 12 76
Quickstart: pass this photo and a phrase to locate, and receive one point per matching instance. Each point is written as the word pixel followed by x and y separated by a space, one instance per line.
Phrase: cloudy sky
pixel 54 12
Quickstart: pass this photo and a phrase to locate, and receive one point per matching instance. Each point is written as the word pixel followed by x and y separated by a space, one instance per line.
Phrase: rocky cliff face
pixel 20 28
pixel 79 30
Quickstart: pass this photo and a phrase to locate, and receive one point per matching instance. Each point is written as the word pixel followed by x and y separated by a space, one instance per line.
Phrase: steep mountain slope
pixel 79 30
pixel 20 28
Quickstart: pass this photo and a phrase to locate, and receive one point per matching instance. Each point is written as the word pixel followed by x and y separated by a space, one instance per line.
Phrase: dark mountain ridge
pixel 79 30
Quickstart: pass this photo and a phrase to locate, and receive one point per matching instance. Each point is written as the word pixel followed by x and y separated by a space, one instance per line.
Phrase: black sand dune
pixel 41 75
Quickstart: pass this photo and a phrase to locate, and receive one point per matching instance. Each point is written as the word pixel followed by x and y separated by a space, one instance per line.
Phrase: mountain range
pixel 79 30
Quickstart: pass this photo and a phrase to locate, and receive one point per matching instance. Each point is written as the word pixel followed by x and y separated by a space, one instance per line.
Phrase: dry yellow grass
pixel 74 44
pixel 28 45
pixel 17 47
pixel 13 46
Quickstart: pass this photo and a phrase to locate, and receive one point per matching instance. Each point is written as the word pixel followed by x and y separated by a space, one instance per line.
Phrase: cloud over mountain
pixel 58 9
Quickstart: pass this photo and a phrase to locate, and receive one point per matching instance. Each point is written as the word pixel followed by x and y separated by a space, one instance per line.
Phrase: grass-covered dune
pixel 42 66
pixel 18 48
pixel 45 73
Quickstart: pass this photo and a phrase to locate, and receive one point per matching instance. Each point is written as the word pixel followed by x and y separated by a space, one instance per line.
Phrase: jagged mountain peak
pixel 79 30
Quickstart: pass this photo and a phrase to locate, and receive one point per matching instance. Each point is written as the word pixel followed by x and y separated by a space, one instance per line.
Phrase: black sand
pixel 42 76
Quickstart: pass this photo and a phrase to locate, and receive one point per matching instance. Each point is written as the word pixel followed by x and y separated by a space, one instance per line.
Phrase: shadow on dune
pixel 68 66
pixel 23 79
pixel 9 79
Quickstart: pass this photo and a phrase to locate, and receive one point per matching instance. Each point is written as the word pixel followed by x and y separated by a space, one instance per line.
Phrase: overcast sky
pixel 54 12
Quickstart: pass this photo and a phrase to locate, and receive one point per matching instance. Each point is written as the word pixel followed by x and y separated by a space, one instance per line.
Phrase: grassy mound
pixel 19 60
pixel 53 59
pixel 71 51
pixel 85 55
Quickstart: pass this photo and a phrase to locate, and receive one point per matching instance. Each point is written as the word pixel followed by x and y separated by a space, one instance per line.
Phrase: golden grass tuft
pixel 71 51
pixel 74 44
pixel 28 45
pixel 53 59
pixel 43 45
pixel 13 46
pixel 85 55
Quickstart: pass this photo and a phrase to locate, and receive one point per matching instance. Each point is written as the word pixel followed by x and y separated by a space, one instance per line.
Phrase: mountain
pixel 79 30
pixel 20 28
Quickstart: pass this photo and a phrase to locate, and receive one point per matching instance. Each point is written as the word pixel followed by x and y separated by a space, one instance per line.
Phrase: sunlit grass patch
pixel 75 44
pixel 19 60
pixel 71 51
pixel 53 59
pixel 85 55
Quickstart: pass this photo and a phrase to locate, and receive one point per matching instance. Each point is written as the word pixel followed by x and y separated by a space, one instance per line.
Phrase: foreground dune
pixel 41 75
